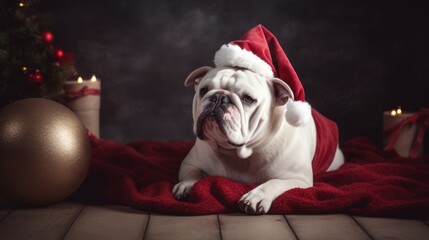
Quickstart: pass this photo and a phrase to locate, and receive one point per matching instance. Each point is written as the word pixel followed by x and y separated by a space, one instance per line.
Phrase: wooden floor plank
pixel 182 227
pixel 39 223
pixel 336 226
pixel 4 213
pixel 267 227
pixel 390 228
pixel 108 222
pixel 4 208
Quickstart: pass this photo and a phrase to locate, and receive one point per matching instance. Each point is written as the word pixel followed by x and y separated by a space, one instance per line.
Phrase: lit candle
pixel 83 98
pixel 397 111
pixel 408 132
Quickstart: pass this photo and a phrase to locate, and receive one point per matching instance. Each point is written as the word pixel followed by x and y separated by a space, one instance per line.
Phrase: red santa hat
pixel 259 51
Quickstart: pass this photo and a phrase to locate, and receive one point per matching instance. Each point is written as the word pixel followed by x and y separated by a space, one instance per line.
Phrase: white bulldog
pixel 239 121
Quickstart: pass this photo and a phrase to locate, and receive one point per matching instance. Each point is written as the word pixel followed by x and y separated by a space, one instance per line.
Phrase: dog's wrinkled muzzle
pixel 215 109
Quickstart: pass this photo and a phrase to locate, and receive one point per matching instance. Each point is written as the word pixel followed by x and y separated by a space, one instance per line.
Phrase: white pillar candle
pixel 83 98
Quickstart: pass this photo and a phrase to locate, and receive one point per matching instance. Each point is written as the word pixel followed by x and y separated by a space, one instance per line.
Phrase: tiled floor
pixel 75 221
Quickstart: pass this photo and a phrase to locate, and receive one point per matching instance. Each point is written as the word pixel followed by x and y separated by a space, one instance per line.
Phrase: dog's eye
pixel 248 99
pixel 203 91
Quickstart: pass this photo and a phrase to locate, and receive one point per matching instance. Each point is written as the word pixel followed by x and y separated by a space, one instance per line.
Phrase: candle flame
pixel 93 78
pixel 21 4
pixel 397 111
pixel 79 79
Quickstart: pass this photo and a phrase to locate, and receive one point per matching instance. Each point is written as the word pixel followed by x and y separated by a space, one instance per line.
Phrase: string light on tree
pixel 35 78
pixel 27 3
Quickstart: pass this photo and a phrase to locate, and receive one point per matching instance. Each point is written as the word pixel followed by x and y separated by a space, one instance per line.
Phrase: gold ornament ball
pixel 45 152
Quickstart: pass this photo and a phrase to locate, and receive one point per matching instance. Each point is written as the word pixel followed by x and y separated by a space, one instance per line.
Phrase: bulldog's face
pixel 235 108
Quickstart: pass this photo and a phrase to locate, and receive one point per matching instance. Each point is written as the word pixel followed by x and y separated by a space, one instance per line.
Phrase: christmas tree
pixel 30 64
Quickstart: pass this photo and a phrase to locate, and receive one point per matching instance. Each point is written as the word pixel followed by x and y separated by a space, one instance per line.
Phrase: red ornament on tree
pixel 66 58
pixel 35 78
pixel 57 53
pixel 48 37
pixel 60 53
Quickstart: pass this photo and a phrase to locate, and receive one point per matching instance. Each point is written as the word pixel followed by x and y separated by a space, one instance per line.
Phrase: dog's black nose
pixel 220 98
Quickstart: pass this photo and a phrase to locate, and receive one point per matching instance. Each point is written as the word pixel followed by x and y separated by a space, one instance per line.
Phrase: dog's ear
pixel 194 78
pixel 282 91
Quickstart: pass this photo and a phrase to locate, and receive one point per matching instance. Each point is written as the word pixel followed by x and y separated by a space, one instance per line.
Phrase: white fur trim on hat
pixel 230 55
pixel 298 113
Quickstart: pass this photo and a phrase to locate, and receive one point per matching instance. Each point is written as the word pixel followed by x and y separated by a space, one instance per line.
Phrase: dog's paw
pixel 182 189
pixel 255 202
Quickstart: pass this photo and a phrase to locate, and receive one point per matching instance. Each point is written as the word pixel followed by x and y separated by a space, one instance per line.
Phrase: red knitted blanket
pixel 371 183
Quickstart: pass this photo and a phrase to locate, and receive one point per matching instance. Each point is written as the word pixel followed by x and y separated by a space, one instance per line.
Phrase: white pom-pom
pixel 298 113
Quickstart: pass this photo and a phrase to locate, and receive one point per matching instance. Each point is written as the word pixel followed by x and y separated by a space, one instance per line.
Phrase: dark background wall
pixel 354 58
